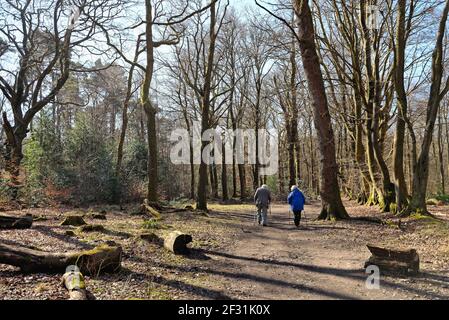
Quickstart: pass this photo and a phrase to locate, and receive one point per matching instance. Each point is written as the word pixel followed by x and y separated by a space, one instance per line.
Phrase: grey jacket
pixel 262 197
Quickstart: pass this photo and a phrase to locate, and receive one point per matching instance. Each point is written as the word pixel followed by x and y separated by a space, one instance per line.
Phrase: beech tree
pixel 332 206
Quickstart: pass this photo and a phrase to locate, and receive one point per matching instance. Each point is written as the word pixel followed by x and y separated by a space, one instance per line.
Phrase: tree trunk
pixel 152 156
pixel 215 174
pixel 148 107
pixel 13 154
pixel 398 151
pixel 224 174
pixel 205 110
pixel 442 187
pixel 242 179
pixel 291 140
pixel 421 170
pixel 124 121
pixel 332 206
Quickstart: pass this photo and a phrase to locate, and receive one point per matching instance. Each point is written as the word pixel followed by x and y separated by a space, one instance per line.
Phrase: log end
pixel 177 241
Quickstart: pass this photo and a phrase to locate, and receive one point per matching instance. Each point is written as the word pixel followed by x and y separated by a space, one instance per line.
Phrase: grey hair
pixel 294 187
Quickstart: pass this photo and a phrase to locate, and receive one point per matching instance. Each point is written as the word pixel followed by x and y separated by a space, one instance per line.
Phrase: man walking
pixel 296 201
pixel 262 198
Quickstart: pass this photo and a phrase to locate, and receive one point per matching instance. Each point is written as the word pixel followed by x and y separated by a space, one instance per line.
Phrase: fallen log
pixel 12 222
pixel 394 260
pixel 177 241
pixel 73 281
pixel 103 258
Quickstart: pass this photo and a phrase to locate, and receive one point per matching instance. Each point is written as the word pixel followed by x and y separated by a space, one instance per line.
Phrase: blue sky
pixel 241 4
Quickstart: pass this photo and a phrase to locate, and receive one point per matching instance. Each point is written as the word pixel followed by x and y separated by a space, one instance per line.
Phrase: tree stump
pixel 103 258
pixel 73 221
pixel 98 216
pixel 92 228
pixel 12 222
pixel 394 260
pixel 177 242
pixel 73 281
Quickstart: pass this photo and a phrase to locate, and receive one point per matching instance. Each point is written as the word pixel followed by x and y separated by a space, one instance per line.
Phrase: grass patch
pixel 423 217
pixel 157 292
pixel 151 224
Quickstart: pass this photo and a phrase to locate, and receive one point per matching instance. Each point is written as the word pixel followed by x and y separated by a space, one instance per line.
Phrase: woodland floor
pixel 233 258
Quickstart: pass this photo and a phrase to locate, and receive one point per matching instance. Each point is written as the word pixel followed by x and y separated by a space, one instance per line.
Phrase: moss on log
pixel 73 281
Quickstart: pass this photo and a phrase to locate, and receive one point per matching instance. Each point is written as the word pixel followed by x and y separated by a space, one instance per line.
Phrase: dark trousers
pixel 297 217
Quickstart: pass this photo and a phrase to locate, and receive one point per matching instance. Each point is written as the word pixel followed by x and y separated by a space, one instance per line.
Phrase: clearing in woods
pixel 233 258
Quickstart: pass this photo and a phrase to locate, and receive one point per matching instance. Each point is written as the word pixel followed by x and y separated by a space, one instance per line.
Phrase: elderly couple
pixel 262 198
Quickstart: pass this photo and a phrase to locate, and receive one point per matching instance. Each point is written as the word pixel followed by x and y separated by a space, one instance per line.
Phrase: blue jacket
pixel 296 200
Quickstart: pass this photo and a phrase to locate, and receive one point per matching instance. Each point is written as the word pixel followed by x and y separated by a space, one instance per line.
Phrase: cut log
pixel 73 281
pixel 394 260
pixel 11 222
pixel 177 241
pixel 103 258
pixel 73 221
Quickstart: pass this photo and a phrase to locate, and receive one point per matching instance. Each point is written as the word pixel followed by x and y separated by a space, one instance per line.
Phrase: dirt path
pixel 233 258
pixel 319 261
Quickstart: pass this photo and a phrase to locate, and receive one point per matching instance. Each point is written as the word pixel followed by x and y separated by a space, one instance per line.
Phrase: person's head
pixel 264 186
pixel 294 187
